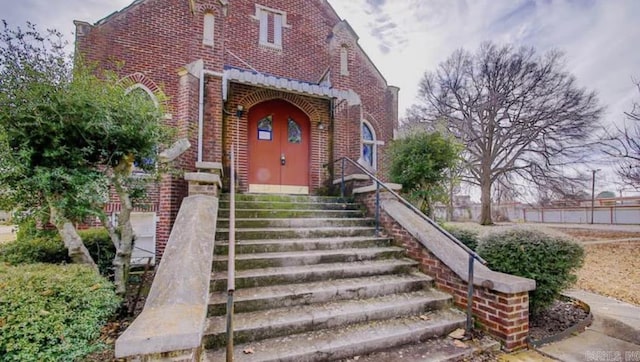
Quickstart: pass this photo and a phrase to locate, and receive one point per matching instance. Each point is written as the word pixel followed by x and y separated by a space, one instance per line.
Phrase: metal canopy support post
pixel 377 208
pixel 342 180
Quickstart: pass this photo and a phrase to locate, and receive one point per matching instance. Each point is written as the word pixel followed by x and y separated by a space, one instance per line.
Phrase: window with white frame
pixel 272 22
pixel 208 29
pixel 369 144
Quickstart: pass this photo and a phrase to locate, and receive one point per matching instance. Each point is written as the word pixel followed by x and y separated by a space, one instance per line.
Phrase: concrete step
pixel 286 198
pixel 311 273
pixel 254 326
pixel 296 222
pixel 281 296
pixel 281 245
pixel 291 233
pixel 290 213
pixel 345 341
pixel 307 257
pixel 285 205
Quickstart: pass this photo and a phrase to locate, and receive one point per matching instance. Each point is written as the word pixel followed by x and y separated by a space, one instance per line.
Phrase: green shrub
pixel 468 237
pixel 36 249
pixel 45 246
pixel 548 260
pixel 100 247
pixel 52 312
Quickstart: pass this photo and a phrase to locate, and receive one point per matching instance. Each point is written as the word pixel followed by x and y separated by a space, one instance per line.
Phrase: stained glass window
pixel 367 154
pixel 368 145
pixel 295 134
pixel 265 129
pixel 366 133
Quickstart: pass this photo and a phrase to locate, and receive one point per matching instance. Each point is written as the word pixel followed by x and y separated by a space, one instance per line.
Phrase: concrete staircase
pixel 314 283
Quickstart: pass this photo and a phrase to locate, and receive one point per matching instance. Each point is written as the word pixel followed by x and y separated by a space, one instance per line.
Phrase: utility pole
pixel 593 190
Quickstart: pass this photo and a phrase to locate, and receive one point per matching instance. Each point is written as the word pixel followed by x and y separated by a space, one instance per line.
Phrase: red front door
pixel 278 148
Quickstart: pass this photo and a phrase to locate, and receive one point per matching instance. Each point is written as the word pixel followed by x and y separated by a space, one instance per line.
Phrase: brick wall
pixel 505 316
pixel 156 40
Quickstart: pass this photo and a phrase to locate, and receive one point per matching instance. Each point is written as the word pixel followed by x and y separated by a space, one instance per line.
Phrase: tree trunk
pixel 72 241
pixel 122 240
pixel 485 200
pixel 450 201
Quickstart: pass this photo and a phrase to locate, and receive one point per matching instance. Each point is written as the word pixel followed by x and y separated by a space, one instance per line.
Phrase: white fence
pixel 582 215
pixel 621 214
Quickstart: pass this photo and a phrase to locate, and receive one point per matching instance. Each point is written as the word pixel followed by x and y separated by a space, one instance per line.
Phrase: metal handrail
pixel 231 264
pixel 472 254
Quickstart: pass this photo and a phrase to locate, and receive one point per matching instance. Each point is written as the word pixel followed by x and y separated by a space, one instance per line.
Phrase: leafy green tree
pixel 66 136
pixel 421 163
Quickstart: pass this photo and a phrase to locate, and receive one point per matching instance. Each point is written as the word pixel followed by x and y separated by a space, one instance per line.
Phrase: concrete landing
pixel 615 325
pixel 592 346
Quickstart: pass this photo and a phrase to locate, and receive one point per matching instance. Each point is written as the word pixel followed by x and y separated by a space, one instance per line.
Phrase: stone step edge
pixel 310 253
pixel 319 228
pixel 316 315
pixel 357 210
pixel 289 202
pixel 305 240
pixel 224 219
pixel 335 286
pixel 327 267
pixel 249 278
pixel 344 342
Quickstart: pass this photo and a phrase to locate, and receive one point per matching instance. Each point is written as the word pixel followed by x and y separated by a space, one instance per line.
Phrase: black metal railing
pixel 472 254
pixel 231 264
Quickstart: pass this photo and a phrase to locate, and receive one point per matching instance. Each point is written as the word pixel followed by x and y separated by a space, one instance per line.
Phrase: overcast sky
pixel 405 38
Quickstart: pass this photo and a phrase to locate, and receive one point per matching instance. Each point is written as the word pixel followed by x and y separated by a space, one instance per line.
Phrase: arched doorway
pixel 278 148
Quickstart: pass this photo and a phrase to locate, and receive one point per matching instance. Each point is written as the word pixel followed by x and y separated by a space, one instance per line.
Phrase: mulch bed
pixel 559 317
pixel 114 328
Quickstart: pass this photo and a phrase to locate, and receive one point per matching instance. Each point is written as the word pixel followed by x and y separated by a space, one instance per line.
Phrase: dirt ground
pixel 612 256
pixel 610 268
pixel 597 235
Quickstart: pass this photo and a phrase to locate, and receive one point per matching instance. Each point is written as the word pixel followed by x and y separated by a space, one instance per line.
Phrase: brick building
pixel 284 81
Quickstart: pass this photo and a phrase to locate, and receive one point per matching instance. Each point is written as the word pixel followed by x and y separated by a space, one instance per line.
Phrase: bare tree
pixel 518 114
pixel 624 145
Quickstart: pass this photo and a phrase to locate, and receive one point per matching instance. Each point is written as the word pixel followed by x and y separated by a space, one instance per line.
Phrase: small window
pixel 208 29
pixel 344 60
pixel 265 129
pixel 271 24
pixel 295 134
pixel 368 145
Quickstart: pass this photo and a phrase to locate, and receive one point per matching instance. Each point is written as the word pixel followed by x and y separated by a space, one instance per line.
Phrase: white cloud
pixel 597 36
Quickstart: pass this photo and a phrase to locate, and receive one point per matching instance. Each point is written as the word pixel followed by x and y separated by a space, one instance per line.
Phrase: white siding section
pixel 144 230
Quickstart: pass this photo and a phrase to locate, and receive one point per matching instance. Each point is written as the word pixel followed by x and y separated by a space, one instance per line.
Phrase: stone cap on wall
pixel 451 254
pixel 174 315
pixel 372 188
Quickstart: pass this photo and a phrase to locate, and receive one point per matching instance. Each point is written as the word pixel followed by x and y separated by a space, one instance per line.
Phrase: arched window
pixel 369 145
pixel 141 89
